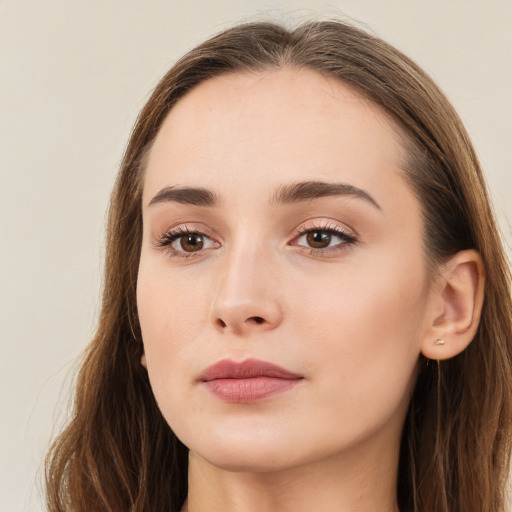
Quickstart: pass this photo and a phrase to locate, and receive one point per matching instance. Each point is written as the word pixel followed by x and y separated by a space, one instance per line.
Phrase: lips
pixel 247 381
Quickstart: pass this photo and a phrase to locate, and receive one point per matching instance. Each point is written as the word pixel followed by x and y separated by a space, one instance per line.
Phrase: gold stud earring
pixel 439 341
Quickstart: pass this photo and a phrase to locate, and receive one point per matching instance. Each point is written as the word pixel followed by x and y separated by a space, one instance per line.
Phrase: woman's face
pixel 279 230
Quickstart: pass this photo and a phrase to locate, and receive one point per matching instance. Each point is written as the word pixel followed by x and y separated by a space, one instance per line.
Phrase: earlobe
pixel 458 298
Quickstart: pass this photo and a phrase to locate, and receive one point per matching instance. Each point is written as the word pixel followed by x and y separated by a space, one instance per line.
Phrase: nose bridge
pixel 245 298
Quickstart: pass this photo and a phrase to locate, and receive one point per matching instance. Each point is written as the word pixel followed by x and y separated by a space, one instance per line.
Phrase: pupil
pixel 319 239
pixel 191 243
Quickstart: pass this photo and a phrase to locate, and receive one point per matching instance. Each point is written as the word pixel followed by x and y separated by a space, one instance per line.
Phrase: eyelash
pixel 348 239
pixel 169 237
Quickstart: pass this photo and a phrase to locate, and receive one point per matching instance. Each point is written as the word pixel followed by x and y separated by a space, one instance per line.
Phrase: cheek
pixel 365 329
pixel 171 314
pixel 384 295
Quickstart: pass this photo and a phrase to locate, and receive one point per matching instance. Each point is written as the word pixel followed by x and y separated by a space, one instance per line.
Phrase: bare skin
pixel 237 264
pixel 331 486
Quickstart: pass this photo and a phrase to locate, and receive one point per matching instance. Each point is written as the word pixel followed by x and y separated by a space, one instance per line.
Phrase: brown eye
pixel 191 242
pixel 182 242
pixel 318 239
pixel 324 240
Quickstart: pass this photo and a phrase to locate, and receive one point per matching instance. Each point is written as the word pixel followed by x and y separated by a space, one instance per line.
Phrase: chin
pixel 245 453
pixel 248 461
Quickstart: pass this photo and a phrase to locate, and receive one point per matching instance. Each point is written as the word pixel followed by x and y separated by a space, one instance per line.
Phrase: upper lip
pixel 247 369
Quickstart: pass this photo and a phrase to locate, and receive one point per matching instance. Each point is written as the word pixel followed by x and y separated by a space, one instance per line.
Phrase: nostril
pixel 255 320
pixel 220 323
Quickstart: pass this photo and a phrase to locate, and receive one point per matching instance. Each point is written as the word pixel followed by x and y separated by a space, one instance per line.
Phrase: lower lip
pixel 245 391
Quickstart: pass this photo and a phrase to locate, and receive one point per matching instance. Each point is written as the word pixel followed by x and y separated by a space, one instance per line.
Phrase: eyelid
pixel 325 224
pixel 169 236
pixel 348 236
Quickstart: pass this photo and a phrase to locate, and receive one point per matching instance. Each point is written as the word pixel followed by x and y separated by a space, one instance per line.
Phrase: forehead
pixel 272 126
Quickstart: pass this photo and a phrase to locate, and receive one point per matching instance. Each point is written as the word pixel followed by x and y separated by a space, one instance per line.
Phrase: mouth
pixel 247 381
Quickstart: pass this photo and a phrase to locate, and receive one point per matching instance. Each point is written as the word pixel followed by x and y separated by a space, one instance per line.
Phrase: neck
pixel 346 484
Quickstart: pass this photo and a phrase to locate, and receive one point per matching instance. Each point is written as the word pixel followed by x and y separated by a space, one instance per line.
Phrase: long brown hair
pixel 118 453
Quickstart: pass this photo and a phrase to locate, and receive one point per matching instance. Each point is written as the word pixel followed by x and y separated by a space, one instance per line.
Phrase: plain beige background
pixel 73 75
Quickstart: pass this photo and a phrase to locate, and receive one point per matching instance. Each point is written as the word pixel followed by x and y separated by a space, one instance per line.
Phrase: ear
pixel 143 361
pixel 456 304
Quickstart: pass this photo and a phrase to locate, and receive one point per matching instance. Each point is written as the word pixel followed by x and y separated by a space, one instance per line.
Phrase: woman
pixel 307 304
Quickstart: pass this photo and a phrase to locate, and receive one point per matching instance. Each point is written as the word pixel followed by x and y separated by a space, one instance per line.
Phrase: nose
pixel 247 295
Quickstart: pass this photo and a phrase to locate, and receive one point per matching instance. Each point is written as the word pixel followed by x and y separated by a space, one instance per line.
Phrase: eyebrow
pixel 186 195
pixel 285 194
pixel 307 190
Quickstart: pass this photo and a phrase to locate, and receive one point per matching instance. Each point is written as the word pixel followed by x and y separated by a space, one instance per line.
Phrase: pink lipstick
pixel 247 381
